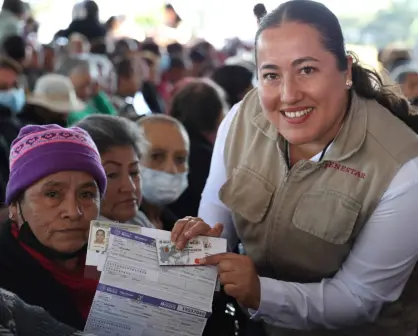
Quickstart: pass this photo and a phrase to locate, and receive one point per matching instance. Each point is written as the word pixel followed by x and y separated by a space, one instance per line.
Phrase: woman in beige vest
pixel 318 178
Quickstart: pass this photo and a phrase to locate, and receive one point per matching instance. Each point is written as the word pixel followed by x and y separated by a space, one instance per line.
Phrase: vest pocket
pixel 327 214
pixel 247 194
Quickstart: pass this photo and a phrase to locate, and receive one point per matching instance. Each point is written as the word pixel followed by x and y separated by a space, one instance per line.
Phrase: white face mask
pixel 161 188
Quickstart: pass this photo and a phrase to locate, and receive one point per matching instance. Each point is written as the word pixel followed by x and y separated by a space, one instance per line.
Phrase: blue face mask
pixel 13 99
pixel 165 62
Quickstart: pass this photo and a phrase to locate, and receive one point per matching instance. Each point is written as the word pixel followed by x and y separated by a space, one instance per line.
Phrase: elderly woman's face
pixel 84 85
pixel 301 89
pixel 123 193
pixel 168 148
pixel 59 209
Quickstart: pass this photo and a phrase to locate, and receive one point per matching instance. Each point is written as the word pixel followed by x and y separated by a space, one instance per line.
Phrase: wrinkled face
pixel 59 209
pixel 84 85
pixel 301 89
pixel 168 148
pixel 123 192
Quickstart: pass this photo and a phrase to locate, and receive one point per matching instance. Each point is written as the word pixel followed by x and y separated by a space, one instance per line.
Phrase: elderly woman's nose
pixel 72 208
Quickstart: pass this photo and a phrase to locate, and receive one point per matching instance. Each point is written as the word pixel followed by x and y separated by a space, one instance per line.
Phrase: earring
pixel 349 83
pixel 10 216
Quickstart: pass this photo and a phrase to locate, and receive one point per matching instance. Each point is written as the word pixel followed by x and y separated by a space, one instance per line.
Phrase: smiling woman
pixel 55 185
pixel 317 177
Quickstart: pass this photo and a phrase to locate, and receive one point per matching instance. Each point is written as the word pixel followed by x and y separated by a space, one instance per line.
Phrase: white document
pixel 138 297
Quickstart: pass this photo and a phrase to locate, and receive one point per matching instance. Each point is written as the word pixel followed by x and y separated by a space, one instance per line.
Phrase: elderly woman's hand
pixel 190 227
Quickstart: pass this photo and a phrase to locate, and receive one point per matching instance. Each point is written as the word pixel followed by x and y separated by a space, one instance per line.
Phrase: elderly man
pixel 84 75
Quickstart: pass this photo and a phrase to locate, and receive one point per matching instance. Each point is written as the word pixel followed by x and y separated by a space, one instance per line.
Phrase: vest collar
pixel 349 139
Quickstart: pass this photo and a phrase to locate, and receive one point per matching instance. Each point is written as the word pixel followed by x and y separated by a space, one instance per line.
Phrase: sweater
pixel 20 319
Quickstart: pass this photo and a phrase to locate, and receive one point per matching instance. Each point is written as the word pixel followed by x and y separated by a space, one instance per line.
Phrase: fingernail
pixel 188 234
pixel 178 246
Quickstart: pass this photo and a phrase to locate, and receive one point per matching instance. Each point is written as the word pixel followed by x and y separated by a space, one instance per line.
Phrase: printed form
pixel 138 297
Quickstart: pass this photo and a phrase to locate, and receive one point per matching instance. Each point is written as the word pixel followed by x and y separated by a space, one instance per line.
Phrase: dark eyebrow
pixel 296 62
pixel 112 162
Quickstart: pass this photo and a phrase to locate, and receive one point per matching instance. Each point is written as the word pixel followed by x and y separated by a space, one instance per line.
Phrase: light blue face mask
pixel 165 62
pixel 13 99
pixel 161 188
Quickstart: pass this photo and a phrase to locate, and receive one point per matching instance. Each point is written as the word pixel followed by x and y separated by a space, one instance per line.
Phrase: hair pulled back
pixel 366 83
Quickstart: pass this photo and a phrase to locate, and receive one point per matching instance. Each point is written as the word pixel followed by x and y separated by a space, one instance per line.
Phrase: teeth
pixel 298 114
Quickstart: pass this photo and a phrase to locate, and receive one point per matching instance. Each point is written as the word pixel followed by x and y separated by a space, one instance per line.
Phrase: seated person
pixel 55 185
pixel 82 75
pixel 121 144
pixel 164 167
pixel 51 102
pixel 129 84
pixel 200 106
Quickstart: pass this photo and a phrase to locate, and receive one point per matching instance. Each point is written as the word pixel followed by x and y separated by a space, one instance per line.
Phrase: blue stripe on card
pixel 132 236
pixel 152 301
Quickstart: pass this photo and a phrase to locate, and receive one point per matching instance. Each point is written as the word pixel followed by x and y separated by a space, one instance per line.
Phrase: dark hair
pixel 11 64
pixel 112 131
pixel 366 83
pixel 16 7
pixel 259 11
pixel 235 80
pixel 124 67
pixel 100 230
pixel 199 105
pixel 14 47
pixel 177 63
pixel 92 10
pixel 175 49
pixel 151 46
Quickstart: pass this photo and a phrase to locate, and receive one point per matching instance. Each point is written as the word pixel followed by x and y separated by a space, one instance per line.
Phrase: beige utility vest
pixel 300 225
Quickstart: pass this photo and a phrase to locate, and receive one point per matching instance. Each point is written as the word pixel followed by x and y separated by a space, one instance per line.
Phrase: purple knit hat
pixel 39 151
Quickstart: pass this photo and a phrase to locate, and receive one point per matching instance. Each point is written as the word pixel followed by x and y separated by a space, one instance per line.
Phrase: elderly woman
pixel 51 101
pixel 55 185
pixel 121 145
pixel 84 76
pixel 318 178
pixel 164 167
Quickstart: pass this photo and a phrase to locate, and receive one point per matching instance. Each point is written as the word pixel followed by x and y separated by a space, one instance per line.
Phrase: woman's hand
pixel 190 227
pixel 238 275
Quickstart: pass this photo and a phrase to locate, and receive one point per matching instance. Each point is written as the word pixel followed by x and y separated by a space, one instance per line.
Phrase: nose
pixel 127 184
pixel 73 209
pixel 290 92
pixel 170 166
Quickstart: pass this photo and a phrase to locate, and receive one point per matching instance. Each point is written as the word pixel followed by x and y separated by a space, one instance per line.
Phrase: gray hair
pixel 68 65
pixel 112 131
pixel 163 118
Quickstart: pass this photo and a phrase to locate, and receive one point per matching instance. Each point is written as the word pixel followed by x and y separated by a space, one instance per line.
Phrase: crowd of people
pixel 304 160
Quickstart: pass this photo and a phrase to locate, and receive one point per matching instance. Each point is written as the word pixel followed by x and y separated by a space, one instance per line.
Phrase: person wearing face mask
pixel 12 99
pixel 121 145
pixel 164 167
pixel 55 185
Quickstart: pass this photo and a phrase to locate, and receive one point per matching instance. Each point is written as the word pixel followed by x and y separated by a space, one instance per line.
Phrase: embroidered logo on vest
pixel 344 169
